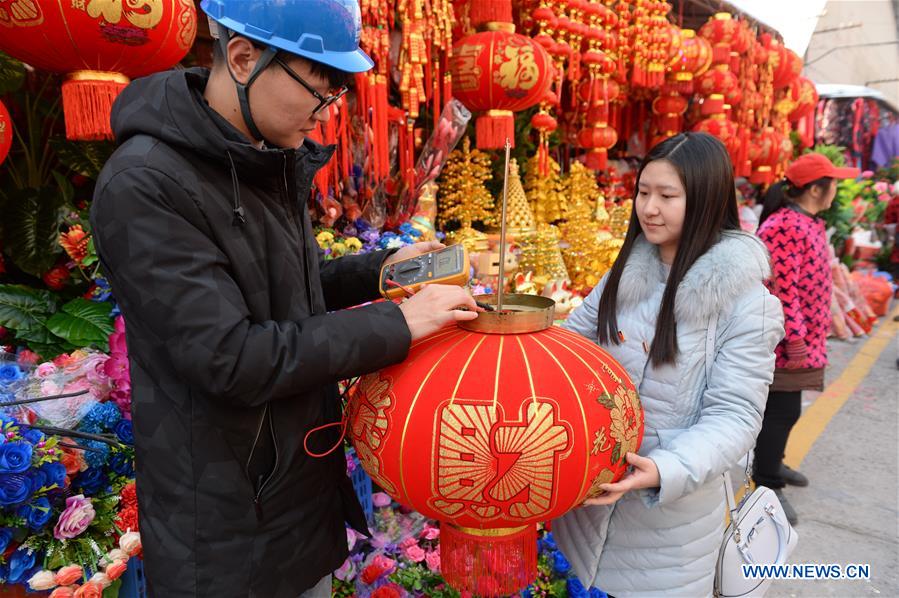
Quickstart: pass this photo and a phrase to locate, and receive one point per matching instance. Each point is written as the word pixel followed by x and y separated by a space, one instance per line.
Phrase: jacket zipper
pixel 263 482
pixel 292 209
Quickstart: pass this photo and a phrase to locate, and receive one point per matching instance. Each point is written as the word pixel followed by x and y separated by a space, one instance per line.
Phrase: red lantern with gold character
pixel 98 44
pixel 5 132
pixel 720 80
pixel 716 123
pixel 491 432
pixel 498 72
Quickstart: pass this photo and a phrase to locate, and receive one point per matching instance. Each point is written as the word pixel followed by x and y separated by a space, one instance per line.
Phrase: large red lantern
pixel 98 44
pixel 5 132
pixel 499 72
pixel 491 433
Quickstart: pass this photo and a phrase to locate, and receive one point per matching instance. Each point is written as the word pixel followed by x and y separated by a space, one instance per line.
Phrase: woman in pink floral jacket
pixel 801 279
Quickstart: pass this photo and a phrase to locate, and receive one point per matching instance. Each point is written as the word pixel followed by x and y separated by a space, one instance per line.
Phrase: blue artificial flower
pixel 124 431
pixel 98 457
pixel 40 513
pixel 91 481
pixel 527 593
pixel 122 465
pixel 576 589
pixel 15 457
pixel 39 479
pixel 5 538
pixel 9 373
pixel 20 563
pixel 15 488
pixel 597 593
pixel 56 474
pixel 561 564
pixel 33 436
pixel 102 416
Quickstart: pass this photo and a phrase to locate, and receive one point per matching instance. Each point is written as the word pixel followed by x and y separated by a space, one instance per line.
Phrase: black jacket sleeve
pixel 352 279
pixel 174 284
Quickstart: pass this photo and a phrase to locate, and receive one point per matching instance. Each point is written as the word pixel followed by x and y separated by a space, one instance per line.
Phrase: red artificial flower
pixel 372 573
pixel 129 495
pixel 75 243
pixel 388 591
pixel 56 277
pixel 127 519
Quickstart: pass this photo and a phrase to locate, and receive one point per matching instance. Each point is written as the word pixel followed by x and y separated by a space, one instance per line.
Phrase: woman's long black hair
pixel 706 173
pixel 784 192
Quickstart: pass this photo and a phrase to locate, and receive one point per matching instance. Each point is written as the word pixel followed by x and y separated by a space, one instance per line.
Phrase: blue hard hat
pixel 325 31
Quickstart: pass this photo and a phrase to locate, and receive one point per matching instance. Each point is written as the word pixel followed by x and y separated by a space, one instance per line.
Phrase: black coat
pixel 234 354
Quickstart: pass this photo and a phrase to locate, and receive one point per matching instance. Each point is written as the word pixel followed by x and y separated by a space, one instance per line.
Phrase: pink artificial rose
pixel 117 343
pixel 430 532
pixel 78 514
pixel 42 580
pixel 62 592
pixel 432 559
pixel 351 538
pixel 884 197
pixel 414 553
pixel 867 174
pixel 130 543
pixel 380 499
pixel 116 570
pixel 63 360
pixel 45 369
pixel 881 186
pixel 116 367
pixel 120 324
pixel 408 542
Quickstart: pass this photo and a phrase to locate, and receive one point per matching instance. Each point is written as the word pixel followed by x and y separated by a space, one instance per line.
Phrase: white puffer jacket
pixel 664 542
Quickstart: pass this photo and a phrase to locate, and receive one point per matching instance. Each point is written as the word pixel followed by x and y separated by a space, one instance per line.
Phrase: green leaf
pixel 12 74
pixel 82 157
pixel 65 187
pixel 24 308
pixel 31 229
pixel 616 453
pixel 83 322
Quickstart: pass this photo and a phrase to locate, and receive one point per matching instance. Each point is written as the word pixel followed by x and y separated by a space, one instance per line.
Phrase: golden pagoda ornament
pixel 519 218
pixel 545 192
pixel 463 197
pixel 620 217
pixel 540 254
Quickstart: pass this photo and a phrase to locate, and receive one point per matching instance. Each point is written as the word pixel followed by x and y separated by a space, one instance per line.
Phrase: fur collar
pixel 734 264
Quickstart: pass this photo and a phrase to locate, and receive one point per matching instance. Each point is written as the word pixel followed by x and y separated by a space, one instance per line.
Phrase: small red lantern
pixel 492 433
pixel 720 80
pixel 5 132
pixel 598 138
pixel 692 60
pixel 719 125
pixel 723 32
pixel 805 97
pixel 499 72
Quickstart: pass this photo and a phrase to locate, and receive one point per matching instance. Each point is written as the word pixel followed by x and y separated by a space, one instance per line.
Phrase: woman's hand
pixel 644 474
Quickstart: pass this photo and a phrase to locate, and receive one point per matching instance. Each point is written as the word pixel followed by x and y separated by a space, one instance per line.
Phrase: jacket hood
pixel 169 106
pixel 734 264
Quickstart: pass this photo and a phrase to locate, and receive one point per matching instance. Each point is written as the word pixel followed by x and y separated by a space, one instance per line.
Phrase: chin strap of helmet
pixel 243 89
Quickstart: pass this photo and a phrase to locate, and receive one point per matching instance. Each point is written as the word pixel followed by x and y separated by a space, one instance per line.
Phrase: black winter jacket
pixel 235 346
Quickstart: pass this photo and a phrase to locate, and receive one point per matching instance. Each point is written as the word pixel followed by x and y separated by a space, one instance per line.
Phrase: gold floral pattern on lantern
pixel 371 421
pixel 605 476
pixel 626 413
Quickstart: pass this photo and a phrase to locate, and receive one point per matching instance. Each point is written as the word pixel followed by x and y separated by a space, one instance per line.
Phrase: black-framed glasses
pixel 323 101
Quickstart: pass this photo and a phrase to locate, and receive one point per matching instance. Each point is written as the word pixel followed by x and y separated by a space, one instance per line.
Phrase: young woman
pixel 685 297
pixel 802 281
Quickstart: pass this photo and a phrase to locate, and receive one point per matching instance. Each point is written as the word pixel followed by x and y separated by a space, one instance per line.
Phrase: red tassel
pixel 87 98
pixel 493 128
pixel 597 158
pixel 492 562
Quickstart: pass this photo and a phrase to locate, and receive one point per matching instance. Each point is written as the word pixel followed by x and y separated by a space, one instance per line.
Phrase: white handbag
pixel 758 533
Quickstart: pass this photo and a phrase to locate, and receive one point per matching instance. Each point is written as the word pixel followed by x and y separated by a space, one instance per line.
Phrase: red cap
pixel 813 166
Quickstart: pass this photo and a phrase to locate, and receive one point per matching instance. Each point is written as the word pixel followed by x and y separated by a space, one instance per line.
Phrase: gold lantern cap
pixel 520 314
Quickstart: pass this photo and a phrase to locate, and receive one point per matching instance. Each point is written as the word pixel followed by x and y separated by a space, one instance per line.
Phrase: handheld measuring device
pixel 445 266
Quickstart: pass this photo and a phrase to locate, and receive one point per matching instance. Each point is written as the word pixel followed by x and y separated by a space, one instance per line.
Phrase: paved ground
pixel 846 443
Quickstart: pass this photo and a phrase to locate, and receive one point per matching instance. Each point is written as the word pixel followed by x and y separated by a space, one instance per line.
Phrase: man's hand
pixel 644 475
pixel 434 307
pixel 413 250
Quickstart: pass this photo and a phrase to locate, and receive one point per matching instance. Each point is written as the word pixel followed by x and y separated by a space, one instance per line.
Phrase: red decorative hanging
pixel 5 132
pixel 99 45
pixel 499 72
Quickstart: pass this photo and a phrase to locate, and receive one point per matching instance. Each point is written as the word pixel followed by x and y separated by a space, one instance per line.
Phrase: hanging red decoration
pixel 724 33
pixel 804 96
pixel 5 132
pixel 716 123
pixel 98 45
pixel 720 80
pixel 491 434
pixel 499 72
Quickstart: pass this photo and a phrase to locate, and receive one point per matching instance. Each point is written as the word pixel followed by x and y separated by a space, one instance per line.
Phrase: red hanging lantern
pixel 723 32
pixel 598 138
pixel 805 97
pixel 764 152
pixel 99 45
pixel 716 123
pixel 720 80
pixel 491 433
pixel 5 132
pixel 499 72
pixel 693 58
pixel 669 109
